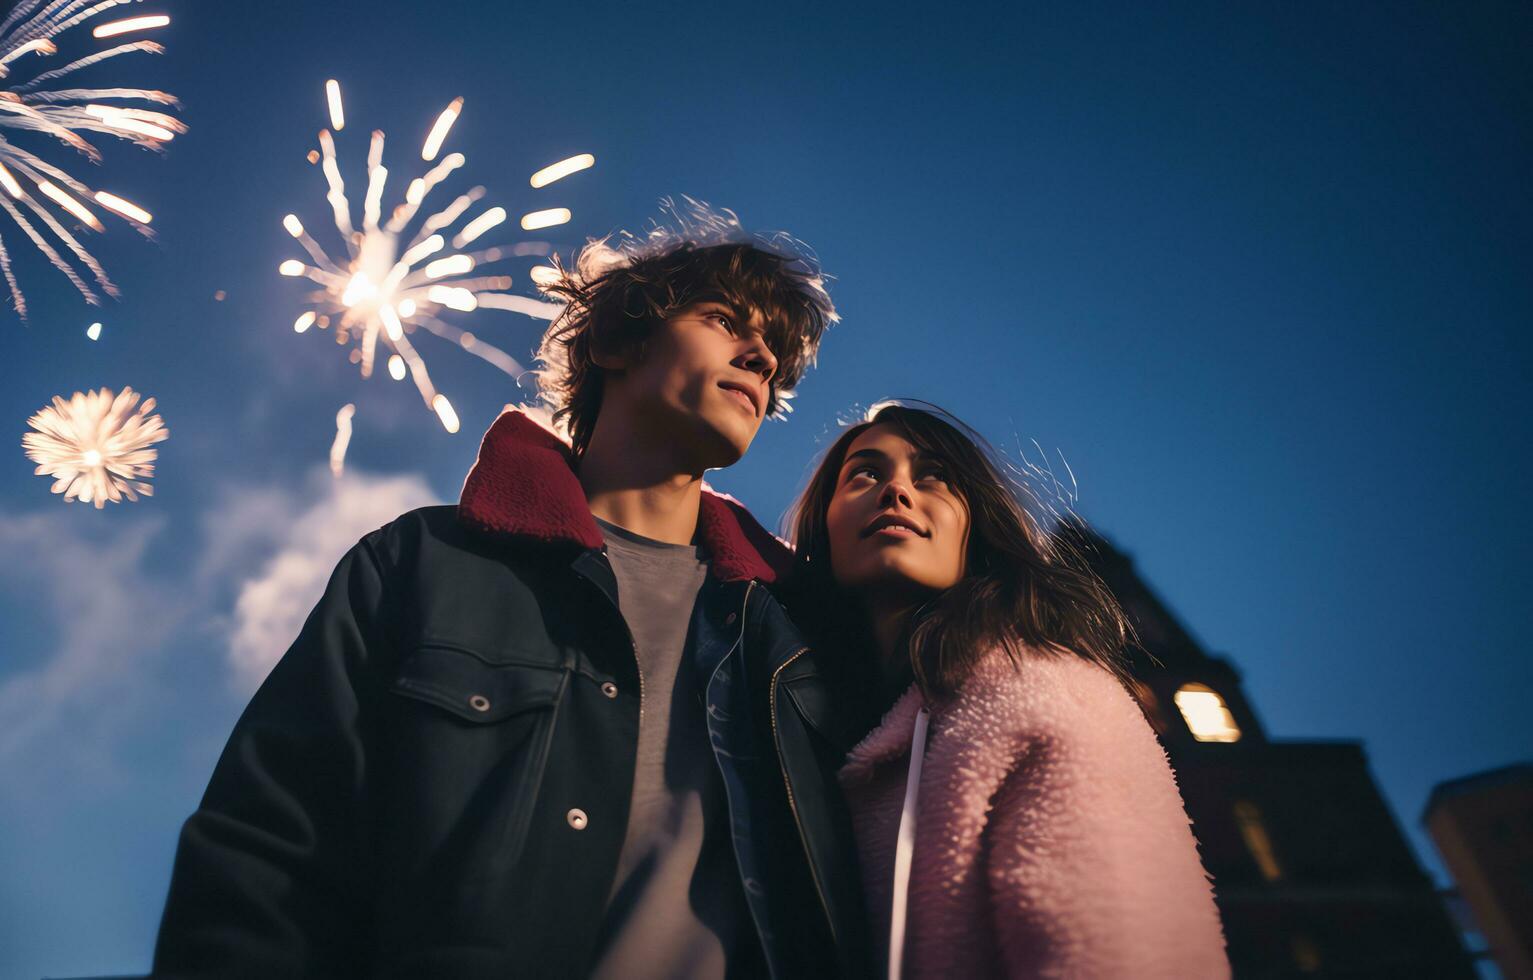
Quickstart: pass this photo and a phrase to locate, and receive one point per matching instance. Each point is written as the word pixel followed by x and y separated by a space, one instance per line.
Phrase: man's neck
pixel 640 487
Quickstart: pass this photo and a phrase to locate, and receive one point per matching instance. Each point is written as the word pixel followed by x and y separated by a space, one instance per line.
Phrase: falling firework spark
pixel 95 446
pixel 393 280
pixel 342 438
pixel 38 191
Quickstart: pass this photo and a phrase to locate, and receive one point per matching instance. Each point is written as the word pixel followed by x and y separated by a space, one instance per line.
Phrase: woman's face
pixel 896 526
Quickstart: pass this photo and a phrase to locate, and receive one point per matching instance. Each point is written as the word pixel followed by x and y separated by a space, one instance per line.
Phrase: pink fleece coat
pixel 1051 840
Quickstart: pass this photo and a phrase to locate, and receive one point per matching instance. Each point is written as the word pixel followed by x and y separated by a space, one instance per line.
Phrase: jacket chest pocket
pixel 474 690
pixel 468 744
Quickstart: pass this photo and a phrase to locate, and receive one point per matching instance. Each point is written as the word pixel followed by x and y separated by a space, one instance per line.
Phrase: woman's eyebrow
pixel 875 454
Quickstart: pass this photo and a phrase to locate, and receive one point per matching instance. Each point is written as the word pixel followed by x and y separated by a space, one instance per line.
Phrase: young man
pixel 561 729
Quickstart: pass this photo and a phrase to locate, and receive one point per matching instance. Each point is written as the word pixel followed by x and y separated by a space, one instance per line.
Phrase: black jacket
pixel 434 780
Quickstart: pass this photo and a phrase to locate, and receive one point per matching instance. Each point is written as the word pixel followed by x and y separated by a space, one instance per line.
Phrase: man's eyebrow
pixel 740 315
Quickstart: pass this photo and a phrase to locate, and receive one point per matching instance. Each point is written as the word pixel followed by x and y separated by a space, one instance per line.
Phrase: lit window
pixel 1249 819
pixel 1306 955
pixel 1206 714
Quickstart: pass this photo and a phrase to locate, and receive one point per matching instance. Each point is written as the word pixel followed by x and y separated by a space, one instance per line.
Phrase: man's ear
pixel 610 361
pixel 617 358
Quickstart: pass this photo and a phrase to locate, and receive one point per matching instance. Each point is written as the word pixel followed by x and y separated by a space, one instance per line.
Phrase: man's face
pixel 703 379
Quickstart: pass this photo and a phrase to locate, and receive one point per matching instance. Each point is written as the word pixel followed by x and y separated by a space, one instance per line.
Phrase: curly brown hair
pixel 616 296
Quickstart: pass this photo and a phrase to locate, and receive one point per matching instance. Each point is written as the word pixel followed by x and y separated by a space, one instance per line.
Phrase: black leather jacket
pixel 434 780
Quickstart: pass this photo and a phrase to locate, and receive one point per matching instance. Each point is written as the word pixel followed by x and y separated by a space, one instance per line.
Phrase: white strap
pixel 904 847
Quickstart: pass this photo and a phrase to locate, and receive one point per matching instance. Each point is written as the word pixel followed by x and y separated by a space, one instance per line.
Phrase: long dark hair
pixel 1024 588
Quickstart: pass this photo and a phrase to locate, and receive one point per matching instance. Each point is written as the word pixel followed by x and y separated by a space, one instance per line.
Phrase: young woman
pixel 1014 813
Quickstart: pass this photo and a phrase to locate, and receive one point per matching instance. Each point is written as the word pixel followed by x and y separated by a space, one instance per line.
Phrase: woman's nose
pixel 895 492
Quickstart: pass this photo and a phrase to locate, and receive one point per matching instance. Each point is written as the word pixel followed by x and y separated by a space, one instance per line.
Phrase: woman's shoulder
pixel 1036 692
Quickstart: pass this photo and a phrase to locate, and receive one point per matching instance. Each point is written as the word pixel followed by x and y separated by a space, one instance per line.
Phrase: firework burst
pixel 394 280
pixel 95 446
pixel 34 190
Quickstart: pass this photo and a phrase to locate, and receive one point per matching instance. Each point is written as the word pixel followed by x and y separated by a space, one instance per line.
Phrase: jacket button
pixel 609 689
pixel 479 702
pixel 730 619
pixel 577 818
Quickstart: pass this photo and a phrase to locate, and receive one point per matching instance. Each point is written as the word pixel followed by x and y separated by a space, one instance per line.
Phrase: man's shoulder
pixel 405 534
pixel 436 536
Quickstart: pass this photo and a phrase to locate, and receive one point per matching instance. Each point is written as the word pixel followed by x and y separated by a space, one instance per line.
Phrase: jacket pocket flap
pixel 474 689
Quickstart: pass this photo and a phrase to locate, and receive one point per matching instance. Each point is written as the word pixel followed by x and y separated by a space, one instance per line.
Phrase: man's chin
pixel 727 453
pixel 725 445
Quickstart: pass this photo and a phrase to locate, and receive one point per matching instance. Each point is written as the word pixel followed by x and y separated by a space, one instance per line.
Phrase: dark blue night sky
pixel 1259 272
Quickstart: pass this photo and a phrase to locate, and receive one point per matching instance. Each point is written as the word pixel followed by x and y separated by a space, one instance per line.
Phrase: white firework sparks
pixel 342 439
pixel 95 446
pixel 34 189
pixel 393 281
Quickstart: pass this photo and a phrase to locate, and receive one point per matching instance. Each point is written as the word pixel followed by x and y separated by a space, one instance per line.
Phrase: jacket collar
pixel 889 740
pixel 522 485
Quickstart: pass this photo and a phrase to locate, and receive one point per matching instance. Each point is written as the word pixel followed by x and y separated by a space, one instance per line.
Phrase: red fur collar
pixel 522 485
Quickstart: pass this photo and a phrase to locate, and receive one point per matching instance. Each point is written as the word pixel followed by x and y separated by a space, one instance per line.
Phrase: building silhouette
pixel 1312 874
pixel 1483 828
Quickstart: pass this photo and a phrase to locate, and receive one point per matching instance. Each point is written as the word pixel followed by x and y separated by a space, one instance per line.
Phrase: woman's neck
pixel 887 622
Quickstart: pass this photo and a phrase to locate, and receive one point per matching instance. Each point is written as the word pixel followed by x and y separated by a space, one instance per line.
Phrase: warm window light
pixel 1306 955
pixel 1249 819
pixel 1206 714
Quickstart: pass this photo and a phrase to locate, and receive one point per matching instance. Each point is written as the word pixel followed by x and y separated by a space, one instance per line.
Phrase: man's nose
pixel 759 360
